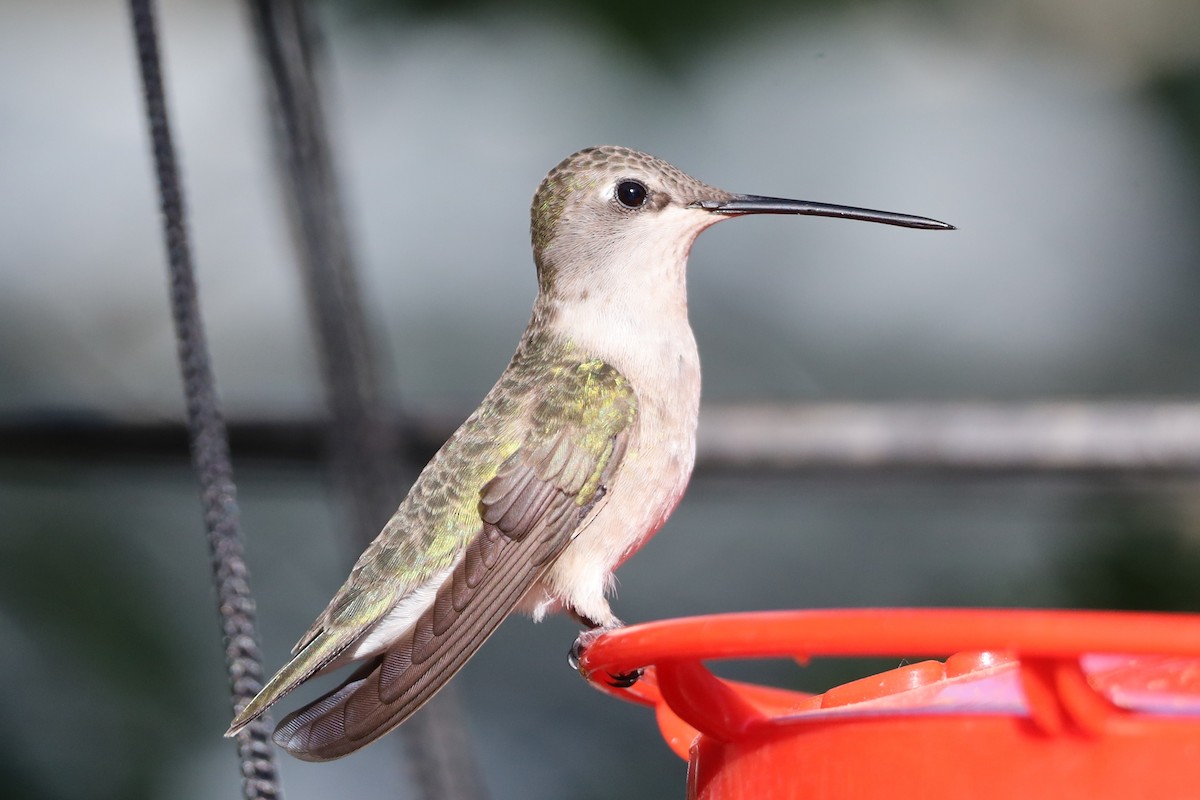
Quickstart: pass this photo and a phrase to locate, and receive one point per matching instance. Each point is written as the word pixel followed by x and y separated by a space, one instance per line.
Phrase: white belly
pixel 649 484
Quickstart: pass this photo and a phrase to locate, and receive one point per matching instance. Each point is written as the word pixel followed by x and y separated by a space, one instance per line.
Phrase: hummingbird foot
pixel 623 680
pixel 620 680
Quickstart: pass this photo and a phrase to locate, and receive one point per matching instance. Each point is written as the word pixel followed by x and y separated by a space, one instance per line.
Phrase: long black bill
pixel 740 204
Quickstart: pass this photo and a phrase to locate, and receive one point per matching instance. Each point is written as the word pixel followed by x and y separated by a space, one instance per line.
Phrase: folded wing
pixel 528 513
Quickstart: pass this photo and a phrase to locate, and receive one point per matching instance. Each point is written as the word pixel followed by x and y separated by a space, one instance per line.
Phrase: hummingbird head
pixel 608 213
pixel 606 206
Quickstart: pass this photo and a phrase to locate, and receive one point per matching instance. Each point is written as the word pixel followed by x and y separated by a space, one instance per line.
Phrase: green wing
pixel 576 419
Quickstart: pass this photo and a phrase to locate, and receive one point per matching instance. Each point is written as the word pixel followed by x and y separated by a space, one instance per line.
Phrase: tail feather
pixel 311 660
pixel 389 689
pixel 497 568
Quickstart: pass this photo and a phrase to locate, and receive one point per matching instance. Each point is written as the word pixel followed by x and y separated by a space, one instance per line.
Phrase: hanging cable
pixel 209 444
pixel 364 460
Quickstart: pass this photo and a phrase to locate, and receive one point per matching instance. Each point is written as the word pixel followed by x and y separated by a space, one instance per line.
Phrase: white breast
pixel 656 352
pixel 624 299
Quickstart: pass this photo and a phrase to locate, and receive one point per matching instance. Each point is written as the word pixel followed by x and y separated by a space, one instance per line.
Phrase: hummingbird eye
pixel 631 194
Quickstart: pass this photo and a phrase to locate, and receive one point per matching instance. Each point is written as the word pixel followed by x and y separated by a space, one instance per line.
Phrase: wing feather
pixel 430 653
pixel 528 513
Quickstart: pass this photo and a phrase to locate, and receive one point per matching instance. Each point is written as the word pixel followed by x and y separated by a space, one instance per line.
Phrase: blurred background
pixel 1062 137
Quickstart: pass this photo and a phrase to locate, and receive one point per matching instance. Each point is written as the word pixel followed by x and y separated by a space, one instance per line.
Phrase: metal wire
pixel 209 444
pixel 971 437
pixel 361 450
pixel 960 439
pixel 362 444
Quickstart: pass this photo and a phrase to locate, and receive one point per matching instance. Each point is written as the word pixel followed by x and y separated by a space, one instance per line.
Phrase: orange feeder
pixel 1035 704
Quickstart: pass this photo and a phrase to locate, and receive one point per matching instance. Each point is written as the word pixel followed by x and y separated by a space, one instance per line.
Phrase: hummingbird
pixel 574 459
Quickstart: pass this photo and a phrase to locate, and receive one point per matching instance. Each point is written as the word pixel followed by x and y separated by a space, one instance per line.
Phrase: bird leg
pixel 595 630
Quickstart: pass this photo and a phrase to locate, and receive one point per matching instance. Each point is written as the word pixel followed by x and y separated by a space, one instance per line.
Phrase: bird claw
pixel 623 680
pixel 620 680
pixel 581 643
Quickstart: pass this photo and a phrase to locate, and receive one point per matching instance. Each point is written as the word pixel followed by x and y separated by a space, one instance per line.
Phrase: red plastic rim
pixel 1083 670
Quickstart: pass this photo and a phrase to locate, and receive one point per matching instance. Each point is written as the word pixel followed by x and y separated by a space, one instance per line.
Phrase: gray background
pixel 1063 138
